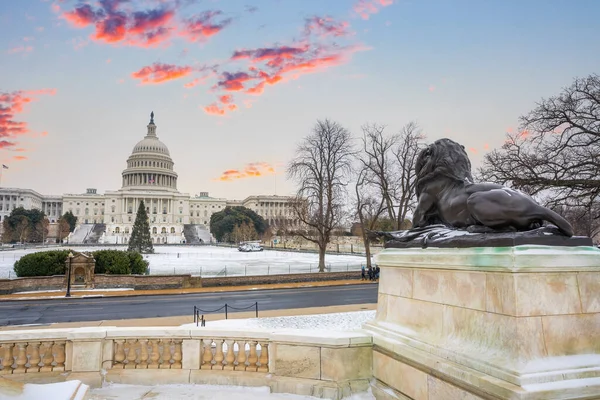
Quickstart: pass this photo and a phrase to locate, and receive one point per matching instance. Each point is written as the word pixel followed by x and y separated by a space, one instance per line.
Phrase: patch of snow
pixel 346 321
pixel 210 261
pixel 197 392
pixel 60 391
pixel 564 362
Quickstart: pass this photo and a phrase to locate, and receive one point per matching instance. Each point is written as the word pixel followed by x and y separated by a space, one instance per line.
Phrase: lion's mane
pixel 443 157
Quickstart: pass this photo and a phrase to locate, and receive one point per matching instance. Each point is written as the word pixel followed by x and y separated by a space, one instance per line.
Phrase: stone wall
pixel 152 282
pixel 284 278
pixel 8 286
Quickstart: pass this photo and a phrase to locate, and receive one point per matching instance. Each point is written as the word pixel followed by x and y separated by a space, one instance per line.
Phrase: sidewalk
pixel 49 295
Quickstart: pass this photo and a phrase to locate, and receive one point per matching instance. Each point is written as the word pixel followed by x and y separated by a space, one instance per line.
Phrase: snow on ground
pixel 346 321
pixel 212 261
pixel 198 392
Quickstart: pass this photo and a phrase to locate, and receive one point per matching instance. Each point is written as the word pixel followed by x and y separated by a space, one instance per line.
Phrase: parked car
pixel 247 247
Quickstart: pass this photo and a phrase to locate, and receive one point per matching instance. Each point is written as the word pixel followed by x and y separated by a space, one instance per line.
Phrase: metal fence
pixel 199 313
pixel 252 270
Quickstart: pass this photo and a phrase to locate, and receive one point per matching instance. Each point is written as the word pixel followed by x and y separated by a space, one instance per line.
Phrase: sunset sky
pixel 235 85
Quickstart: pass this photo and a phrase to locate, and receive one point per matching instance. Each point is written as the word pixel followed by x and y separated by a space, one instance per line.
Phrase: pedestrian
pixel 370 273
pixel 377 270
pixel 363 274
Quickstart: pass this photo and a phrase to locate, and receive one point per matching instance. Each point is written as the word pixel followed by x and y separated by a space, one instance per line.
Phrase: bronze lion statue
pixel 448 196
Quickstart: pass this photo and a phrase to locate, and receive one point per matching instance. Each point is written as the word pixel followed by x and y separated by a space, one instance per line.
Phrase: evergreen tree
pixel 141 241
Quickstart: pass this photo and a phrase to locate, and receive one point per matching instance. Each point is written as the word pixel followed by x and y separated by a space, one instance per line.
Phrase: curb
pixel 160 292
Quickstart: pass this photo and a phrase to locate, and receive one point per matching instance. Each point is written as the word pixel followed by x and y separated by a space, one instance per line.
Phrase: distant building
pixel 149 176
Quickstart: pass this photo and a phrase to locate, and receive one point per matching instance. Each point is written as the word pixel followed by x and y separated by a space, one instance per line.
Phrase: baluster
pixel 219 354
pixel 166 354
pixel 34 358
pixel 143 364
pixel 131 354
pixel 208 354
pixel 155 355
pixel 177 356
pixel 21 358
pixel 252 358
pixel 48 357
pixel 7 359
pixel 119 354
pixel 60 356
pixel 264 357
pixel 230 357
pixel 241 356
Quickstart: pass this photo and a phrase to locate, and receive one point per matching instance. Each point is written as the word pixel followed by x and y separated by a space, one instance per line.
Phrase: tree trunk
pixel 322 258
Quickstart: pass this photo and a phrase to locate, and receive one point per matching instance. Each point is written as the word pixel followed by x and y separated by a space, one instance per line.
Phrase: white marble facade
pixel 149 176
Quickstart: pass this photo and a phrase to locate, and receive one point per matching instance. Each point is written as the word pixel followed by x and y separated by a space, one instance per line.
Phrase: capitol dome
pixel 150 166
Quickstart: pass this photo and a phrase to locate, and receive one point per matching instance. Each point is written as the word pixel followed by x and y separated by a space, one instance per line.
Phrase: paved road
pixel 109 308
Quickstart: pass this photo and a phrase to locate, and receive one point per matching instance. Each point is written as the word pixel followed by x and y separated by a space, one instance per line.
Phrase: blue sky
pixel 79 94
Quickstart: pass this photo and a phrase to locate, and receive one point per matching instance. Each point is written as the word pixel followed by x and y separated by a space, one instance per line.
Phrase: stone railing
pixel 29 357
pixel 325 364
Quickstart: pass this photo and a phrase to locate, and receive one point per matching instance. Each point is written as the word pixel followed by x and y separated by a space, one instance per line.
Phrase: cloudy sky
pixel 235 85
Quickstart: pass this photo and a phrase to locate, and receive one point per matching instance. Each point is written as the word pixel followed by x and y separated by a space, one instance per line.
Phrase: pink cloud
pixel 11 106
pixel 20 49
pixel 365 8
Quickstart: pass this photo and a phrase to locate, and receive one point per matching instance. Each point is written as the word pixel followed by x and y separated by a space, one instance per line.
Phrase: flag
pixel 4 166
pixel 151 180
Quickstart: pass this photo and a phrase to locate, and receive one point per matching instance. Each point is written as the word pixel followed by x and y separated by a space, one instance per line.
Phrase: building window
pixel 87 211
pixel 126 229
pixel 112 209
pixel 154 230
pixel 163 230
pixel 129 219
pixel 117 230
pixel 112 219
pixel 180 210
pixel 172 230
pixel 154 210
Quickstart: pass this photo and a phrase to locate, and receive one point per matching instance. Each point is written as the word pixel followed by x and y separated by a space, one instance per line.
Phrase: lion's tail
pixel 563 225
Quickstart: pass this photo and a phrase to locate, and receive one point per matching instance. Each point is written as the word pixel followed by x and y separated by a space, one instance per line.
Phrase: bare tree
pixel 389 165
pixel 368 209
pixel 322 169
pixel 410 143
pixel 556 152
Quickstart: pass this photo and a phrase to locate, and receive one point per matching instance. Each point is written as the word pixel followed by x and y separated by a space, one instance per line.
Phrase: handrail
pixel 200 319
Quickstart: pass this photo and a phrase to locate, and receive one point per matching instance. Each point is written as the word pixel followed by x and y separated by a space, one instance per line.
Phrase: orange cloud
pixel 191 84
pixel 250 170
pixel 161 73
pixel 365 8
pixel 473 150
pixel 19 158
pixel 11 105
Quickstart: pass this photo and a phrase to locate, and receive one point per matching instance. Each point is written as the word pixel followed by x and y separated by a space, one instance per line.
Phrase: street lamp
pixel 69 275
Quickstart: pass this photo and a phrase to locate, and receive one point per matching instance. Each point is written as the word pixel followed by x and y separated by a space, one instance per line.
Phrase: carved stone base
pixel 495 323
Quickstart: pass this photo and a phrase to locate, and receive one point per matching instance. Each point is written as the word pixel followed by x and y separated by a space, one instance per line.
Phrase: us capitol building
pixel 149 176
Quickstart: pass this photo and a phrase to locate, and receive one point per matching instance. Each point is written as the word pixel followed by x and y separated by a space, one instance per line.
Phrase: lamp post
pixel 69 275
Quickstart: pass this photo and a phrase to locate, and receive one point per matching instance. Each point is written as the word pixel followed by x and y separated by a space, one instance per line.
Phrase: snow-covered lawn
pixel 212 261
pixel 198 392
pixel 346 321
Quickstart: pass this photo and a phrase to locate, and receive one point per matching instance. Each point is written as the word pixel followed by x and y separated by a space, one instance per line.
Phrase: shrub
pixel 114 262
pixel 117 262
pixel 48 263
pixel 139 266
pixel 44 263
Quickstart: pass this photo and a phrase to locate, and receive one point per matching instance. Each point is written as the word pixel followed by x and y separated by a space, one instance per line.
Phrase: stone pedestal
pixel 517 322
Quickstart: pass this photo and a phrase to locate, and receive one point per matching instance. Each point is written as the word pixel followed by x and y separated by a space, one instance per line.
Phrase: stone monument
pixel 480 300
pixel 82 271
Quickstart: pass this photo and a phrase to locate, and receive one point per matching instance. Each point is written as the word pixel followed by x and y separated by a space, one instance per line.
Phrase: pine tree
pixel 141 241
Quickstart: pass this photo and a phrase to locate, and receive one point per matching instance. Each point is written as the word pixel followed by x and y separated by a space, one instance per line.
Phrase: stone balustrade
pixel 319 363
pixel 30 357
